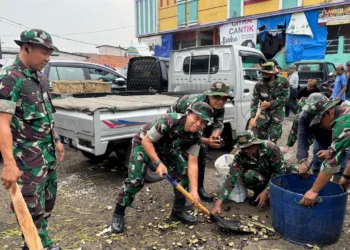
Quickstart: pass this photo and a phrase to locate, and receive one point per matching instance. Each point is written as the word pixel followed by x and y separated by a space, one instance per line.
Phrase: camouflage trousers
pixel 39 188
pixel 268 129
pixel 293 134
pixel 139 162
pixel 254 180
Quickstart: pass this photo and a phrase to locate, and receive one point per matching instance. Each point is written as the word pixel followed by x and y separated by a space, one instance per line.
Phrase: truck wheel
pixel 151 175
pixel 96 158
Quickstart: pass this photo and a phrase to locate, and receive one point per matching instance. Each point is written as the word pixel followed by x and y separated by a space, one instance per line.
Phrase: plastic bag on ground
pixel 222 166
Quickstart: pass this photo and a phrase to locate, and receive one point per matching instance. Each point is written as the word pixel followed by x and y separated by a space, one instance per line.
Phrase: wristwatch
pixel 156 163
pixel 58 138
pixel 346 176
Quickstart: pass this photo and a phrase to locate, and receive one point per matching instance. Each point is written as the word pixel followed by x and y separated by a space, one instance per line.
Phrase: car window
pixel 100 74
pixel 53 74
pixel 331 69
pixel 70 73
pixel 200 64
pixel 251 65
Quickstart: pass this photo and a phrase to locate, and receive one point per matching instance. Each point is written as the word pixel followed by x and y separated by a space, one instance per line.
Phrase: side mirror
pixel 120 81
pixel 331 74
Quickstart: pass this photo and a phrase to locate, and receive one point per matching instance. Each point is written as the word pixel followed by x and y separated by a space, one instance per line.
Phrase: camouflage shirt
pixel 269 163
pixel 26 96
pixel 277 95
pixel 340 139
pixel 169 136
pixel 183 103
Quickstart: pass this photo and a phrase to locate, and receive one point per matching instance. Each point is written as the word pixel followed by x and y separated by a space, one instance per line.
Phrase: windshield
pixel 251 65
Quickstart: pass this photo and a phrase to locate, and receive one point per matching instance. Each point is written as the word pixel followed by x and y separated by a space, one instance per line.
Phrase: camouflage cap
pixel 36 36
pixel 219 89
pixel 246 139
pixel 268 68
pixel 204 110
pixel 316 105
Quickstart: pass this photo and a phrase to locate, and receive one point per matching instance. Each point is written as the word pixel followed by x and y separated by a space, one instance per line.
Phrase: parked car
pixel 319 70
pixel 76 70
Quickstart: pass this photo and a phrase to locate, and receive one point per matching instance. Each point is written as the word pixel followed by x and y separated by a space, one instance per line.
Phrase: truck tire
pixel 96 158
pixel 151 175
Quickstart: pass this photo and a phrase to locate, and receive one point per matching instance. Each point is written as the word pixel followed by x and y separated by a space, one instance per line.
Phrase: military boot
pixel 118 219
pixel 179 213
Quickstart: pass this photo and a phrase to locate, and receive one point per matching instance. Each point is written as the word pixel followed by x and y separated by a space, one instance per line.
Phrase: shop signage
pixel 334 15
pixel 242 33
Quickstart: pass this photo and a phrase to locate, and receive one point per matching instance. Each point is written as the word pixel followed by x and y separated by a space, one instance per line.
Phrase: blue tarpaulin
pixel 272 23
pixel 302 47
pixel 166 48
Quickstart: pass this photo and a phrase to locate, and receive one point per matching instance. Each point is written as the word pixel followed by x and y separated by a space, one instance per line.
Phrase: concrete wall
pixel 340 57
pixel 69 56
pixel 167 15
pixel 261 7
pixel 313 2
pixel 212 11
pixel 110 51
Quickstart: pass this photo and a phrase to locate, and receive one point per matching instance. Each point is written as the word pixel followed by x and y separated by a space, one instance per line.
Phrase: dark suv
pixel 75 70
pixel 321 71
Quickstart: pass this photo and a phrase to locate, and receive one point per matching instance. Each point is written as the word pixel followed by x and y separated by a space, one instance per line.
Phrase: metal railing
pixel 346 45
pixel 332 46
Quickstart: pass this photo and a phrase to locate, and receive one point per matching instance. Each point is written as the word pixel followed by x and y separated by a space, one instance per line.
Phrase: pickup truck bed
pixel 114 103
pixel 100 125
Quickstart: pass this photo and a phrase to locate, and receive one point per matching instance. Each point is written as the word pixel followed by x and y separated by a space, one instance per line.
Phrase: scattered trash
pixel 106 230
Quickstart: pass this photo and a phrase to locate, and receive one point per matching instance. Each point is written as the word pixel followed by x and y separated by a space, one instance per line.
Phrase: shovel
pixel 258 112
pixel 25 220
pixel 229 225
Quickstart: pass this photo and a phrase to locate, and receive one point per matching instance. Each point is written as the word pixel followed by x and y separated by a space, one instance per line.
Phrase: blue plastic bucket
pixel 320 225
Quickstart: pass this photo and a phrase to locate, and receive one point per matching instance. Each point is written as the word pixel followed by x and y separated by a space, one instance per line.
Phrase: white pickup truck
pixel 97 126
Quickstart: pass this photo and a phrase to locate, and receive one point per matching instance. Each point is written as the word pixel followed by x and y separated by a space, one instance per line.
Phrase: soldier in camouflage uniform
pixel 171 143
pixel 216 97
pixel 321 137
pixel 272 92
pixel 256 162
pixel 335 118
pixel 293 134
pixel 28 141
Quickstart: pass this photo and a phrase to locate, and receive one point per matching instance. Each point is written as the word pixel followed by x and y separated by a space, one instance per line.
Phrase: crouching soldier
pixel 171 143
pixel 256 162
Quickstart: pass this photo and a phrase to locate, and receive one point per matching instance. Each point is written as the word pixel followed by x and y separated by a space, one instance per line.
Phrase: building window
pixel 168 2
pixel 200 64
pixel 161 3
